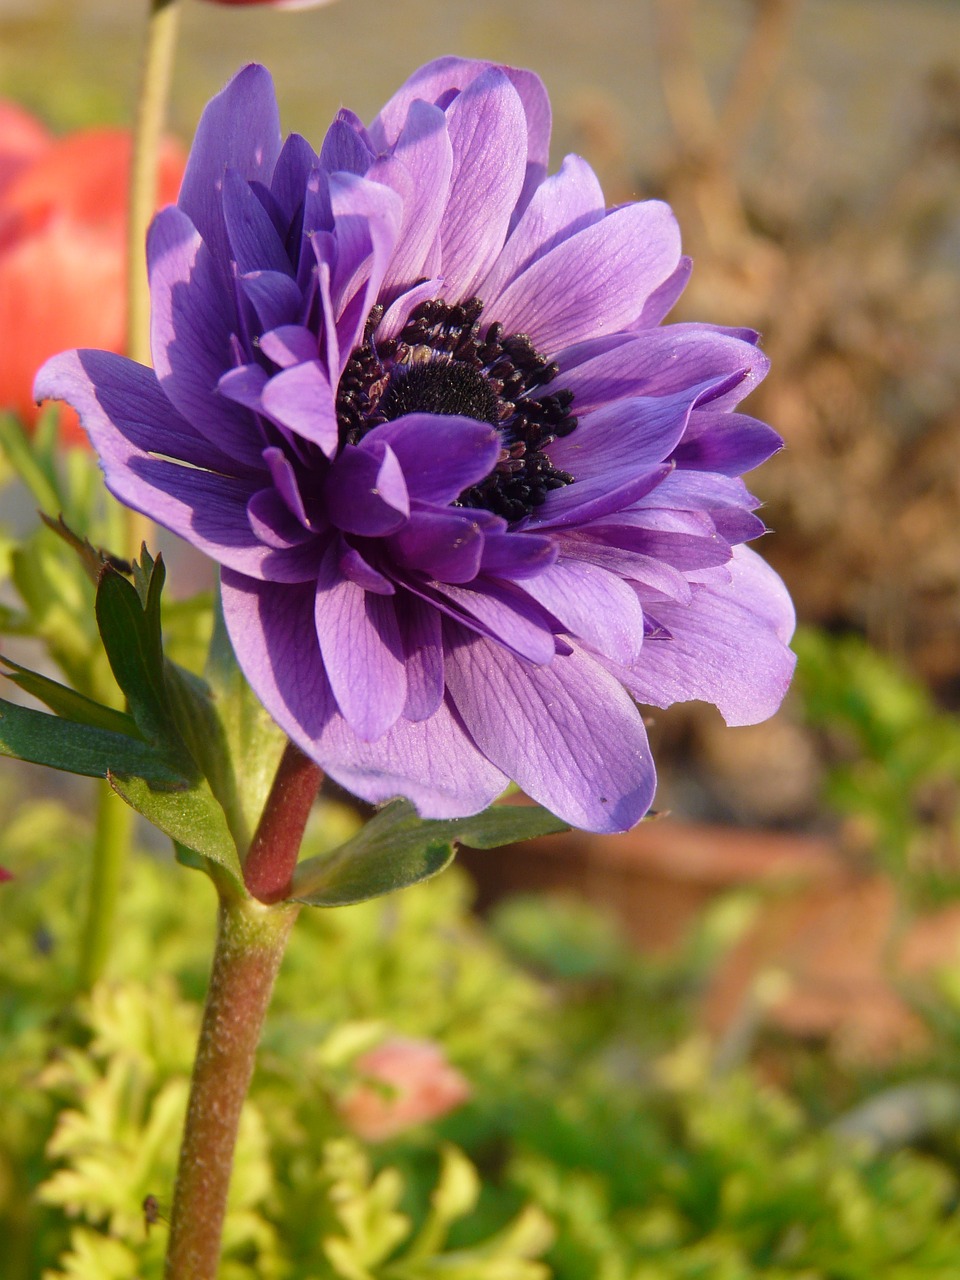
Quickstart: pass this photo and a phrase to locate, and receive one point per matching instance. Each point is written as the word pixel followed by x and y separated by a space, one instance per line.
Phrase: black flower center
pixel 444 361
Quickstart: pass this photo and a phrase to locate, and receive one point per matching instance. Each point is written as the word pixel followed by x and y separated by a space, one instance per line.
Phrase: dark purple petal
pixel 365 492
pixel 500 611
pixel 239 129
pixel 440 456
pixel 566 732
pixel 344 150
pixel 516 555
pixel 191 327
pixel 728 647
pixel 120 401
pixel 730 443
pixel 254 243
pixel 445 545
pixel 275 298
pixel 272 521
pixel 362 651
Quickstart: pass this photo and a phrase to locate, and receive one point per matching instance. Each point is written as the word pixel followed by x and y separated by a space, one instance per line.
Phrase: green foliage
pixel 894 757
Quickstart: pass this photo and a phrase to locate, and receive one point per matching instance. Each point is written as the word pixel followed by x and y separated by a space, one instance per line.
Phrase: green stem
pixel 251 938
pixel 111 841
pixel 155 76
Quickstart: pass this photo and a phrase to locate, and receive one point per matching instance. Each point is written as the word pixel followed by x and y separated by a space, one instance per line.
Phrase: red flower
pixel 403 1083
pixel 63 208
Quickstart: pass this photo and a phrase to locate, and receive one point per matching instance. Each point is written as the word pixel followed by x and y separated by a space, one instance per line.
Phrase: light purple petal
pixel 301 399
pixel 433 762
pixel 565 203
pixel 567 732
pixel 623 438
pixel 239 129
pixel 730 443
pixel 596 606
pixel 488 133
pixel 423 646
pixel 419 171
pixel 497 610
pixel 662 300
pixel 728 647
pixel 289 344
pixel 362 651
pixel 596 281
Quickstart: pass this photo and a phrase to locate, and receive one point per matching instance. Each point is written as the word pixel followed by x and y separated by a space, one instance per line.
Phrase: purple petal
pixel 564 204
pixel 191 327
pixel 596 281
pixel 294 165
pixel 274 297
pixel 289 344
pixel 728 647
pixel 729 443
pixel 488 133
pixel 272 521
pixel 434 762
pixel 419 171
pixel 302 400
pixel 367 222
pixel 567 732
pixel 353 566
pixel 362 651
pixel 119 401
pixel 516 554
pixel 423 646
pixel 592 604
pixel 239 129
pixel 501 612
pixel 661 302
pixel 344 150
pixel 663 362
pixel 623 438
pixel 251 235
pixel 445 545
pixel 441 455
pixel 365 492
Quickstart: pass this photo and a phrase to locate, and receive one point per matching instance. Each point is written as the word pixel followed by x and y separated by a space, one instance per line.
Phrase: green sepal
pixel 191 817
pixel 397 848
pixel 86 749
pixel 69 704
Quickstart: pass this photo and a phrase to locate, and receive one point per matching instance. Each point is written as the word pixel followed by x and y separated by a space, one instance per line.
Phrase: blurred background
pixel 802 900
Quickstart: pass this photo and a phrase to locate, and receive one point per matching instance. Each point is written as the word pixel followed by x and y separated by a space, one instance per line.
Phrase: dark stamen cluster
pixel 444 361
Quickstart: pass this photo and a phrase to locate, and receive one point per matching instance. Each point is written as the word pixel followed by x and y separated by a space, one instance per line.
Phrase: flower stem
pixel 155 76
pixel 251 939
pixel 111 840
pixel 270 862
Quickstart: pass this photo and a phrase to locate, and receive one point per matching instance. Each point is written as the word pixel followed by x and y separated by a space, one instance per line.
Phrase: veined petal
pixel 566 732
pixel 593 604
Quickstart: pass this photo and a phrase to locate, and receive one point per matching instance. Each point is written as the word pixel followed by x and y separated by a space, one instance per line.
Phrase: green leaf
pixel 35 470
pixel 191 817
pixel 69 704
pixel 397 848
pixel 79 748
pixel 129 619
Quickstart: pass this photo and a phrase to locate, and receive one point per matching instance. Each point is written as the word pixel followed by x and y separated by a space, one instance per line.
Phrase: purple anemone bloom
pixel 471 501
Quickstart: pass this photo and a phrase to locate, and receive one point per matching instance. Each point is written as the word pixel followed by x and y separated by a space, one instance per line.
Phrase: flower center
pixel 444 361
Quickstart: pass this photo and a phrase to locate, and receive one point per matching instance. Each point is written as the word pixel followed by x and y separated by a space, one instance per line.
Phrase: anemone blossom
pixel 471 500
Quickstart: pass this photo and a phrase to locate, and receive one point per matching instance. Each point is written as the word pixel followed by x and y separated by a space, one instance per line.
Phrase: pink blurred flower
pixel 63 209
pixel 403 1083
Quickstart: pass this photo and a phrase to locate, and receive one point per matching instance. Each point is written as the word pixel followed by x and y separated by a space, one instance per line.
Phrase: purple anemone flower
pixel 471 501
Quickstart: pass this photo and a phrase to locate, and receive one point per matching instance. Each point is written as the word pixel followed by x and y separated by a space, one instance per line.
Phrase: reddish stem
pixel 269 865
pixel 250 943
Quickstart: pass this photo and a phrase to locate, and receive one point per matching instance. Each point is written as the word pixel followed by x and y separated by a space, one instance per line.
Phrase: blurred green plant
pixel 600 1142
pixel 893 759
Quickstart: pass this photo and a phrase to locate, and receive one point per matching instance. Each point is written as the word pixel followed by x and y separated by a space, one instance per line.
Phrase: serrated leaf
pixel 397 848
pixel 191 817
pixel 93 752
pixel 69 704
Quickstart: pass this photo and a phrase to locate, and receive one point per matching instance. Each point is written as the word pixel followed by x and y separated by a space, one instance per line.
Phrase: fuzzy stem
pixel 270 862
pixel 251 939
pixel 156 72
pixel 111 841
